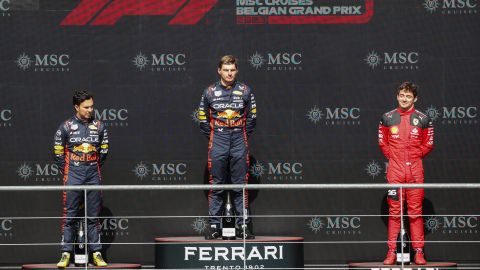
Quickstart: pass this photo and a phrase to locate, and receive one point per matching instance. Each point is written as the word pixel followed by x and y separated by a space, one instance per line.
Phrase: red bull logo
pixel 229 123
pixel 228 114
pixel 84 148
pixel 84 157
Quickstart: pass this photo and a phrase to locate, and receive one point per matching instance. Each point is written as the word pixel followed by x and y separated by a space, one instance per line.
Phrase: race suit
pixel 227 117
pixel 80 149
pixel 405 137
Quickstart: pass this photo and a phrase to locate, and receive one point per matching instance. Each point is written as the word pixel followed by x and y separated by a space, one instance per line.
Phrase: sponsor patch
pixel 415 121
pixel 394 130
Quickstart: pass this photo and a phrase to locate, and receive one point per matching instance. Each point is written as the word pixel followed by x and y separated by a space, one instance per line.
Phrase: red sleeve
pixel 427 139
pixel 383 139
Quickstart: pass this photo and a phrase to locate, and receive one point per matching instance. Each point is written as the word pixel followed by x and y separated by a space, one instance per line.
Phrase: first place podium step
pixel 198 253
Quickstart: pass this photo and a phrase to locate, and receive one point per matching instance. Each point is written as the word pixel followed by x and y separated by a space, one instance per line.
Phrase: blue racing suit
pixel 80 148
pixel 227 117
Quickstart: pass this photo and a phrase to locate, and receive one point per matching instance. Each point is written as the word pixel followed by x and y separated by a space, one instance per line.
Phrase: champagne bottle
pixel 403 247
pixel 228 220
pixel 80 257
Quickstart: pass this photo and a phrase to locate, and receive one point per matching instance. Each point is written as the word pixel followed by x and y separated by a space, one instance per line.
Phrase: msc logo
pixel 277 61
pixel 112 117
pixel 161 171
pixel 199 225
pixel 44 62
pixel 278 170
pixel 4 8
pixel 108 12
pixel 6 115
pixel 160 62
pixel 6 225
pixel 5 118
pixel 114 226
pixel 285 59
pixel 335 116
pixel 6 228
pixel 452 224
pixel 451 7
pixel 393 60
pixel 374 169
pixel 4 5
pixel 40 172
pixel 335 225
pixel 459 112
pixel 454 115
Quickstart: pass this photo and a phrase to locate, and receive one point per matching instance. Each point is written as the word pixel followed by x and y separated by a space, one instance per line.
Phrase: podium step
pixel 53 266
pixel 381 266
pixel 197 253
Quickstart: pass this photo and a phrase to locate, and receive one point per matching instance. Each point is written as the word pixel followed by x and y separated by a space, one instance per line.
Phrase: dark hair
pixel 227 60
pixel 408 87
pixel 80 96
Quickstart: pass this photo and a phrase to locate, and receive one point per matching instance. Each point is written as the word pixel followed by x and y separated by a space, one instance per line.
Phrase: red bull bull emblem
pixel 84 148
pixel 228 114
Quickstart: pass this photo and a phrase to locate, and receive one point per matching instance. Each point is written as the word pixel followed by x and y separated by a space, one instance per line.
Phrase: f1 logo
pixel 108 12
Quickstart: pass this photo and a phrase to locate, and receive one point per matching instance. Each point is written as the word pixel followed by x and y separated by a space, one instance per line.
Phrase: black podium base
pixel 381 266
pixel 110 266
pixel 198 253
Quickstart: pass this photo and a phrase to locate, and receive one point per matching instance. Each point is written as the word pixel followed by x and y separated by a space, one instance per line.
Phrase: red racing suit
pixel 405 137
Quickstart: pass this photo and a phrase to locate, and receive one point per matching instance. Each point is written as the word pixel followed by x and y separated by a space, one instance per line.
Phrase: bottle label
pixel 228 232
pixel 403 257
pixel 81 259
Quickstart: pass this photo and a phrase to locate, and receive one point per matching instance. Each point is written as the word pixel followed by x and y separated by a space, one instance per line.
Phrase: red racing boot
pixel 391 257
pixel 419 257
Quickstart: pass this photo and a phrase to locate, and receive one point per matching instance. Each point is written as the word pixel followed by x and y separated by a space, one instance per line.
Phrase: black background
pixel 160 129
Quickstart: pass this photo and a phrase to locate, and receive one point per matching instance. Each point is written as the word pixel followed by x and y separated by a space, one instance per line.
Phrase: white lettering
pixel 189 251
pixel 221 252
pixel 5 226
pixel 5 5
pixel 6 115
pixel 205 253
pixel 227 106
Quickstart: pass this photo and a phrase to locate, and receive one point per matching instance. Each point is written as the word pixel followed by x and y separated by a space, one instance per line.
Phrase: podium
pixel 110 266
pixel 381 266
pixel 198 253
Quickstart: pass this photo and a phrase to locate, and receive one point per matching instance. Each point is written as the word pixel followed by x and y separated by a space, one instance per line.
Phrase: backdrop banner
pixel 322 71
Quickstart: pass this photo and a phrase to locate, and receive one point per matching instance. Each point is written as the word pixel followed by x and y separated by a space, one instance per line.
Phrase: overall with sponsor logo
pixel 405 136
pixel 227 116
pixel 80 148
